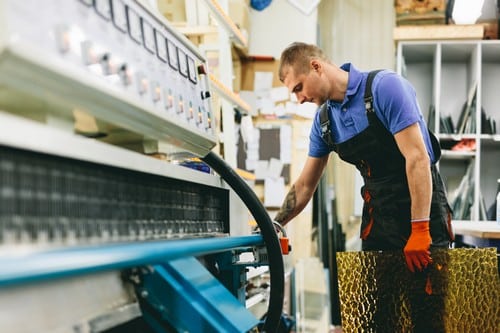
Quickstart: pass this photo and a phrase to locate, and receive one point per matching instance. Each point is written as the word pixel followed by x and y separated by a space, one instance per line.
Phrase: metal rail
pixel 59 263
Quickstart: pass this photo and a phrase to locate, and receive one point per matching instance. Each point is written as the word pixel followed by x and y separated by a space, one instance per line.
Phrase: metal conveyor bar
pixel 82 260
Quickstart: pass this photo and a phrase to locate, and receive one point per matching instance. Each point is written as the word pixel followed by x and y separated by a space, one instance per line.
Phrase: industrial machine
pixel 95 235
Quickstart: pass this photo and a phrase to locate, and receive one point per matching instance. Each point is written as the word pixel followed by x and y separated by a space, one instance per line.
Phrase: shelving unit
pixel 444 74
pixel 210 18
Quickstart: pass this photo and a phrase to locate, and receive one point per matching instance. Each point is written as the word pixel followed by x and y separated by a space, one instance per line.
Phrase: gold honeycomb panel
pixel 458 293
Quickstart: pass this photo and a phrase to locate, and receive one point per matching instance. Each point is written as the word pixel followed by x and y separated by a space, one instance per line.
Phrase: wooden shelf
pixel 245 174
pixel 455 137
pixel 481 229
pixel 228 94
pixel 195 31
pixel 438 32
pixel 457 155
pixel 223 18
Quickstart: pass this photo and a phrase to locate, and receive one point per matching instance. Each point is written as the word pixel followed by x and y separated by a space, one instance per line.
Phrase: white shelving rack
pixel 444 74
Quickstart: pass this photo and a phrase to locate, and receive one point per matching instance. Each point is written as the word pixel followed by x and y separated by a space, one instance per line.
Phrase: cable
pixel 268 231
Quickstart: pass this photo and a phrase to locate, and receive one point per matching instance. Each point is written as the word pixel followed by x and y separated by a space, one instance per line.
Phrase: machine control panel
pixel 114 48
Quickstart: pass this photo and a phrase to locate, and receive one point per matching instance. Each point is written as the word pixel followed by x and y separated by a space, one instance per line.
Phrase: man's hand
pixel 416 251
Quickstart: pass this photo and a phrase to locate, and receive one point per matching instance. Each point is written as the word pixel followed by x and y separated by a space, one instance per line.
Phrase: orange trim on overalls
pixel 367 198
pixel 366 230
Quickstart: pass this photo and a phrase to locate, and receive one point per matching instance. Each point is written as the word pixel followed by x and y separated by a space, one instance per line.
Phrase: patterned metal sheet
pixel 459 292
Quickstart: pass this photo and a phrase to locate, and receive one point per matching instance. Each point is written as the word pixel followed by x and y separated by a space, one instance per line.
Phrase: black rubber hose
pixel 269 235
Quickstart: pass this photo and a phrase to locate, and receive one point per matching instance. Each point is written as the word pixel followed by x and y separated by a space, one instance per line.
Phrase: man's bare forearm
pixel 302 190
pixel 286 212
pixel 420 187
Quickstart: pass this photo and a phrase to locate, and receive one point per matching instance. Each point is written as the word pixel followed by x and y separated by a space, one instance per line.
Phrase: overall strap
pixel 326 132
pixel 324 116
pixel 368 91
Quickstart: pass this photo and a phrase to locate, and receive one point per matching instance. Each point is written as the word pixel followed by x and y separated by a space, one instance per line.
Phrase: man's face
pixel 307 87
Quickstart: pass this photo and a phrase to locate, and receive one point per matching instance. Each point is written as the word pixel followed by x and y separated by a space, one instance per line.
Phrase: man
pixel 405 204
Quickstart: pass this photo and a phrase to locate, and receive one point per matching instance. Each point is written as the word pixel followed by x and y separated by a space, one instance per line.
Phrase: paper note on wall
pixel 279 94
pixel 286 144
pixel 263 82
pixel 274 191
pixel 275 167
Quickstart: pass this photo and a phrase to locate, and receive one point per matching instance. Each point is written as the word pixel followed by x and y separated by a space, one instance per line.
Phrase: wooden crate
pixel 490 29
pixel 414 12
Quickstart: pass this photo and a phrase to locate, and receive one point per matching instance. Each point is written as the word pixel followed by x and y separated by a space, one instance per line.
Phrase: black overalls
pixel 387 205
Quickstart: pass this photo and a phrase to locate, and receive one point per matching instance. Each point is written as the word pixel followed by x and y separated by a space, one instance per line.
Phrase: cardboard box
pixel 236 71
pixel 239 12
pixel 252 65
pixel 173 10
pixel 490 29
pixel 413 12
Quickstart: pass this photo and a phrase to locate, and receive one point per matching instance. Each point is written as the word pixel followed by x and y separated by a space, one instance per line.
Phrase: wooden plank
pixel 228 94
pixel 197 31
pixel 438 32
pixel 480 229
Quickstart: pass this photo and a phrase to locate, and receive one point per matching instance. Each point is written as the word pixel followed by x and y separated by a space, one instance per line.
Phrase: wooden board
pixel 481 229
pixel 438 32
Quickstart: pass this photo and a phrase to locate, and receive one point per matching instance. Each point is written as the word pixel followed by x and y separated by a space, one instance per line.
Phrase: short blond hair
pixel 298 56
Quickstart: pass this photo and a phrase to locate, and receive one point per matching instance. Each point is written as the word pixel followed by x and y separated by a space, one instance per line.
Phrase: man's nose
pixel 301 98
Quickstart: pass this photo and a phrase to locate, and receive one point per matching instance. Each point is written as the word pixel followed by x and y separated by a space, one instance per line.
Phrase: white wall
pixel 272 29
pixel 358 31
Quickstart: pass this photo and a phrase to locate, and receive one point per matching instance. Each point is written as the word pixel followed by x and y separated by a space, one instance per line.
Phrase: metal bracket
pixel 184 294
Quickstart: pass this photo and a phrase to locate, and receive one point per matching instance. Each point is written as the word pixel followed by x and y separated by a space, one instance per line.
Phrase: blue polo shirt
pixel 395 104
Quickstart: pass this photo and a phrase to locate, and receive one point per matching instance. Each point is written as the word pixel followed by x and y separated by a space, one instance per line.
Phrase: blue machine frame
pixel 174 285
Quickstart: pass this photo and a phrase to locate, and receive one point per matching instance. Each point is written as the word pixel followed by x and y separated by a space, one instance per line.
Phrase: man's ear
pixel 315 65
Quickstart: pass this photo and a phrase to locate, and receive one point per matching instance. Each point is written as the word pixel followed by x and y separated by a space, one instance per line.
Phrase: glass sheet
pixel 459 292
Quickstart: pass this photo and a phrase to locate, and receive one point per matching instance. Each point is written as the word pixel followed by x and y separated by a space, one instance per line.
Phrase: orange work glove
pixel 416 251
